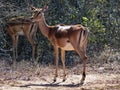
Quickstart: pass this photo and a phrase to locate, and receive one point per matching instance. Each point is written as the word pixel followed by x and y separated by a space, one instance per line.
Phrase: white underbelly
pixel 20 33
pixel 68 47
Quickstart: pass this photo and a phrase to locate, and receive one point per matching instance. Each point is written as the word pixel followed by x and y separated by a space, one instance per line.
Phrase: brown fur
pixel 16 27
pixel 73 38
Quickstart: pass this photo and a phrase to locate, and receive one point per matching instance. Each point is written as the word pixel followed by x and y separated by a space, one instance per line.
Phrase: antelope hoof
pixel 64 80
pixel 54 80
pixel 55 77
pixel 82 81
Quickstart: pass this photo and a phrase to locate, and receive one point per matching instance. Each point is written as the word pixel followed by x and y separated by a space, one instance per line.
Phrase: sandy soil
pixel 106 77
pixel 93 82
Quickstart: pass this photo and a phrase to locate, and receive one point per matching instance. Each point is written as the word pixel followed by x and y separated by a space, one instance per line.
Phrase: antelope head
pixel 38 12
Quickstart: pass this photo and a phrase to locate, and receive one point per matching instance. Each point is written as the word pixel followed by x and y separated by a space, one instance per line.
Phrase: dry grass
pixel 30 77
pixel 27 76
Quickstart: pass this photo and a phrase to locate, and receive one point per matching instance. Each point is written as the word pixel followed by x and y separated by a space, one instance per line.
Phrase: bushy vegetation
pixel 102 17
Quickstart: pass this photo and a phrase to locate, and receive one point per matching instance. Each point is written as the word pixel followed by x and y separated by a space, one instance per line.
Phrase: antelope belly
pixel 20 33
pixel 68 47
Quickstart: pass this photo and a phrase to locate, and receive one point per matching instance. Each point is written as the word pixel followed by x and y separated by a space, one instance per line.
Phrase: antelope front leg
pixel 14 50
pixel 33 52
pixel 63 62
pixel 56 58
pixel 16 45
pixel 30 39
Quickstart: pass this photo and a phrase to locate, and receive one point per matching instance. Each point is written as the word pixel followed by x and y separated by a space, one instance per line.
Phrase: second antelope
pixel 65 37
pixel 22 26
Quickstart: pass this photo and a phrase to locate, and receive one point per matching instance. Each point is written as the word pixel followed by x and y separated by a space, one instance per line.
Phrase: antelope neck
pixel 43 26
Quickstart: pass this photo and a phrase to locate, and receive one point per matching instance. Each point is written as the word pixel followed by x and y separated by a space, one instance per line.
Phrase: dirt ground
pixel 28 77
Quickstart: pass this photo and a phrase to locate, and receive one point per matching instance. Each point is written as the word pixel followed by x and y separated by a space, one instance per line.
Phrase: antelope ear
pixel 32 8
pixel 45 8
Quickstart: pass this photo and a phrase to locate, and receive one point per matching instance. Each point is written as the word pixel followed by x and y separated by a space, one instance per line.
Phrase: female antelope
pixel 65 37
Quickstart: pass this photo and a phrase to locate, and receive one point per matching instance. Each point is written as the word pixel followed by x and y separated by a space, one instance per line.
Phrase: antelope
pixel 22 26
pixel 65 37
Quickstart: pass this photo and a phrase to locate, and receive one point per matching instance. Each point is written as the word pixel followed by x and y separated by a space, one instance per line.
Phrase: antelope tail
pixel 83 37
